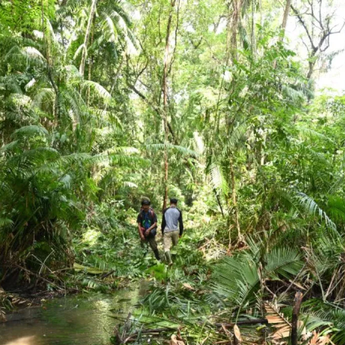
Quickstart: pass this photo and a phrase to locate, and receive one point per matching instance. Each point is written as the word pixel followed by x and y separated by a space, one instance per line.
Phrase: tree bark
pixel 86 38
pixel 285 17
pixel 165 103
pixel 90 64
pixel 253 43
pixel 236 4
pixel 234 202
pixel 295 314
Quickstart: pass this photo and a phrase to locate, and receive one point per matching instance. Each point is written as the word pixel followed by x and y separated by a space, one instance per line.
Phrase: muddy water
pixel 74 320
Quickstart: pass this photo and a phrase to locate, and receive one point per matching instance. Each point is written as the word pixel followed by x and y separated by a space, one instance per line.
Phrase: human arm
pixel 150 228
pixel 140 231
pixel 153 226
pixel 181 224
pixel 140 227
pixel 163 223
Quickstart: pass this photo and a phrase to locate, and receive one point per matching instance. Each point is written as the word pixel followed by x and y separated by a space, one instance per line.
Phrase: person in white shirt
pixel 172 227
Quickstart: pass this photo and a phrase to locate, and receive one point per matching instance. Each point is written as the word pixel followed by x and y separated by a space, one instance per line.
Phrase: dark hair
pixel 173 201
pixel 145 202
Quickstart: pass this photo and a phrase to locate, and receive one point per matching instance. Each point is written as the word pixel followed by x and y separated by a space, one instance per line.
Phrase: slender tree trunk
pixel 285 17
pixel 253 43
pixel 284 23
pixel 236 15
pixel 234 201
pixel 165 102
pixel 86 38
pixel 90 64
pixel 228 37
pixel 295 314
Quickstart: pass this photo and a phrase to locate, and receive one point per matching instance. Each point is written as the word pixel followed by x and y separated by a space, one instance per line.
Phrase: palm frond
pixel 5 222
pixel 180 149
pixel 313 208
pixel 278 321
pixel 283 261
pixel 43 95
pixel 78 51
pixel 218 180
pixel 32 130
pixel 99 89
pixel 336 208
pixel 237 280
pixel 312 134
pixel 10 146
pixel 32 53
pixel 110 29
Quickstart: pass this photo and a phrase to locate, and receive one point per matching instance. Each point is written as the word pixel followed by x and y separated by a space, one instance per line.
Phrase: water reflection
pixel 69 321
pixel 24 341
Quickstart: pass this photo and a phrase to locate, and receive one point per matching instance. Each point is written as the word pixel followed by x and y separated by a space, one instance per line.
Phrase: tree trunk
pixel 236 4
pixel 285 17
pixel 86 38
pixel 234 202
pixel 165 103
pixel 90 64
pixel 295 314
pixel 253 43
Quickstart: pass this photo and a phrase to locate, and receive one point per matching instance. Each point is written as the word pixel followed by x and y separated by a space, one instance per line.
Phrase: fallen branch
pixel 243 322
pixel 105 275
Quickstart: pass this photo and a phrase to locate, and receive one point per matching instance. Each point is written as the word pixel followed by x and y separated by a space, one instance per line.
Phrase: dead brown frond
pixel 277 320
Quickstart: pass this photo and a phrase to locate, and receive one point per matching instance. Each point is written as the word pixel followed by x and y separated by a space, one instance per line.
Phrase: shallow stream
pixel 73 320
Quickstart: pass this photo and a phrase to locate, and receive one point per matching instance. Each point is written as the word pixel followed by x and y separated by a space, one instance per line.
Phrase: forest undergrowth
pixel 213 102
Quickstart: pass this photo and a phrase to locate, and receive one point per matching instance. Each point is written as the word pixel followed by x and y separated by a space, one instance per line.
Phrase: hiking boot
pixel 157 255
pixel 168 257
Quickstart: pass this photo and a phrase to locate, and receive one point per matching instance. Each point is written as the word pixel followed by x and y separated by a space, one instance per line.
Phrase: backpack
pixel 147 220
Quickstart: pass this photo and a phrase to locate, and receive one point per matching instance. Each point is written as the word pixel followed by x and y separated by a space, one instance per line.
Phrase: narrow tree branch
pixel 305 26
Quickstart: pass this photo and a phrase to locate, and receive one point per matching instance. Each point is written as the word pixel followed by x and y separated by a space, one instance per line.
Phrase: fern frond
pixel 42 154
pixel 10 146
pixel 43 95
pixel 5 222
pixel 33 53
pixel 32 130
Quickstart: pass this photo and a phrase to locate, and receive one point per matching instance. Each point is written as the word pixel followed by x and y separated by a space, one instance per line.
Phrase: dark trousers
pixel 153 244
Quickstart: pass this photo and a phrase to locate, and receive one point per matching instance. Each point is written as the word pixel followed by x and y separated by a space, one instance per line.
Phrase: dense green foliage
pixel 95 98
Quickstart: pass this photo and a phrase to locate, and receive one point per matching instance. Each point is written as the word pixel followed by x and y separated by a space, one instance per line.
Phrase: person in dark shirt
pixel 172 218
pixel 147 226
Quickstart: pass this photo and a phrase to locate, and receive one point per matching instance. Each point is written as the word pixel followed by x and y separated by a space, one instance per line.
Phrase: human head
pixel 173 201
pixel 145 204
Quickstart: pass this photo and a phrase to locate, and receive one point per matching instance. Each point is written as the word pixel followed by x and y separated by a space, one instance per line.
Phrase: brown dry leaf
pixel 175 341
pixel 188 286
pixel 314 339
pixel 319 340
pixel 274 319
pixel 282 332
pixel 278 321
pixel 237 333
pixel 325 339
